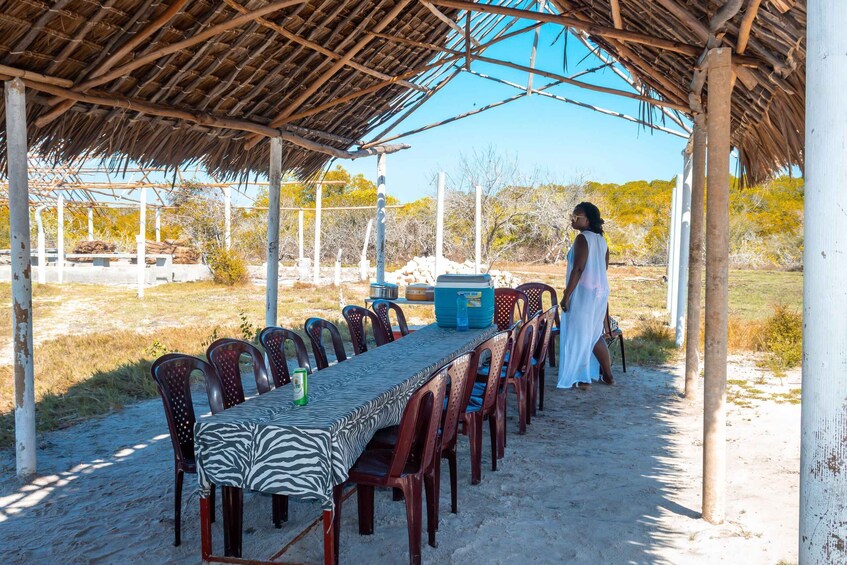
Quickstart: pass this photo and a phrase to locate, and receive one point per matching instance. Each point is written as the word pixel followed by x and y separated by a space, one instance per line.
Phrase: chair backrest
pixel 382 309
pixel 355 317
pixel 172 373
pixel 458 371
pixel 224 388
pixel 418 431
pixel 495 348
pixel 523 347
pixel 545 328
pixel 535 292
pixel 274 339
pixel 506 300
pixel 314 328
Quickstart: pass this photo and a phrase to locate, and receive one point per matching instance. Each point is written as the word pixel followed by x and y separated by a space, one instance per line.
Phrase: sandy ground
pixel 611 475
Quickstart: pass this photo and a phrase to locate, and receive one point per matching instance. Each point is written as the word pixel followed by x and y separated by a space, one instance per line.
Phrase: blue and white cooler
pixel 479 291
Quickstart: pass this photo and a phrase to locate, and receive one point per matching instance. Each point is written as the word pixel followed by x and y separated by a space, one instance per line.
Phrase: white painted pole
pixel 91 224
pixel 364 264
pixel 158 224
pixel 338 268
pixel 823 451
pixel 300 234
pixel 60 238
pixel 141 241
pixel 671 242
pixel 380 218
pixel 717 288
pixel 272 276
pixel 681 295
pixel 478 231
pixel 227 216
pixel 42 254
pixel 439 225
pixel 316 273
pixel 677 230
pixel 22 360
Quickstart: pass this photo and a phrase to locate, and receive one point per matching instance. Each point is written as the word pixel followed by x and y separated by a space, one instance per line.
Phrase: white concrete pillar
pixel 677 220
pixel 478 231
pixel 158 224
pixel 42 252
pixel 439 225
pixel 316 274
pixel 272 276
pixel 299 234
pixel 380 218
pixel 22 359
pixel 823 450
pixel 141 241
pixel 60 238
pixel 227 216
pixel 337 280
pixel 681 294
pixel 671 275
pixel 90 224
pixel 364 264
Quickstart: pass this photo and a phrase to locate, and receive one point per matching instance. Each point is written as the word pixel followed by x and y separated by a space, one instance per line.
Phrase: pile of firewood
pixel 92 247
pixel 181 249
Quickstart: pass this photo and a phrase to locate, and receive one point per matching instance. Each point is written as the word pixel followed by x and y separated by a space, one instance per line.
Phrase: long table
pixel 268 444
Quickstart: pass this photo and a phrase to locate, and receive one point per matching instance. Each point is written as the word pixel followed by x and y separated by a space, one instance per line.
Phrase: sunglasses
pixel 577 216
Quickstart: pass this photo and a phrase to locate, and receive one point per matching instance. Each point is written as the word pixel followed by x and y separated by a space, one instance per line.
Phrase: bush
pixel 228 267
pixel 782 339
pixel 652 343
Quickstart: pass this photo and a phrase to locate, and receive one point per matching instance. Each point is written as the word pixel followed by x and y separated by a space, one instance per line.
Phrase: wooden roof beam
pixel 440 15
pixel 616 13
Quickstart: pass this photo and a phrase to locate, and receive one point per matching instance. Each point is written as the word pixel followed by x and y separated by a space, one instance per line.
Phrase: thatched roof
pixel 167 81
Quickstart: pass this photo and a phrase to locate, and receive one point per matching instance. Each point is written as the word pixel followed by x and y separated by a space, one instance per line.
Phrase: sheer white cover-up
pixel 582 325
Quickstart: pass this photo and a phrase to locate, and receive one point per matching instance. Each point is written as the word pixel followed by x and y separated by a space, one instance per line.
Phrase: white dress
pixel 582 325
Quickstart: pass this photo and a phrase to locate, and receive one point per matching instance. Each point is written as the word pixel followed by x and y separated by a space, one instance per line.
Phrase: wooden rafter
pixel 616 13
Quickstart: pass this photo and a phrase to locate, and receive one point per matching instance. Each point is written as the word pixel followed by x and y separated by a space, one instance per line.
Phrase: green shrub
pixel 228 267
pixel 782 339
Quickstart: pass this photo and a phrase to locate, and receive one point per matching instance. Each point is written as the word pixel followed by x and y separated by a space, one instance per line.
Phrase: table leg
pixel 205 528
pixel 330 557
pixel 232 510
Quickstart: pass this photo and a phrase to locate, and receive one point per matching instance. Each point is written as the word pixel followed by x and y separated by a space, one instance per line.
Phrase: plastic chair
pixel 545 330
pixel 612 335
pixel 225 391
pixel 481 402
pixel 535 292
pixel 402 467
pixel 314 328
pixel 506 300
pixel 172 373
pixel 382 309
pixel 273 340
pixel 355 317
pixel 518 374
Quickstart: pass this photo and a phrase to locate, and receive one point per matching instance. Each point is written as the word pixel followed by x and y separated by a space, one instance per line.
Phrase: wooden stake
pixel 717 276
pixel 695 260
pixel 272 273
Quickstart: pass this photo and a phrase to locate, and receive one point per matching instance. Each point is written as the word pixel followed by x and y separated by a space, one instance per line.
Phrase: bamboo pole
pixel 823 451
pixel 16 151
pixel 380 219
pixel 616 14
pixel 695 259
pixel 272 274
pixel 316 275
pixel 717 275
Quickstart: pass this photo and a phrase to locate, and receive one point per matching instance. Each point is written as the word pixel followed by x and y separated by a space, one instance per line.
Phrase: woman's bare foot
pixel 607 380
pixel 583 386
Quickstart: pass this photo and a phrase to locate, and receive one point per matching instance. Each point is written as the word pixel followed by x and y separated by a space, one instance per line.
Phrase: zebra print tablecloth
pixel 268 444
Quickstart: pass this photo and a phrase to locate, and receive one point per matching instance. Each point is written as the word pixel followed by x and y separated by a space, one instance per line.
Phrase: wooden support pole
pixel 681 294
pixel 439 224
pixel 141 241
pixel 227 217
pixel 272 273
pixel 380 219
pixel 478 230
pixel 823 450
pixel 91 224
pixel 695 259
pixel 60 238
pixel 22 354
pixel 42 253
pixel 717 278
pixel 316 274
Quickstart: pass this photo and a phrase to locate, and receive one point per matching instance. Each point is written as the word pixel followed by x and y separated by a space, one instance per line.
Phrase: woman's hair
pixel 595 222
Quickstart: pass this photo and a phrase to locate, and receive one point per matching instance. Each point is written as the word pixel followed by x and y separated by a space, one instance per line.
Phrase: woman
pixel 583 352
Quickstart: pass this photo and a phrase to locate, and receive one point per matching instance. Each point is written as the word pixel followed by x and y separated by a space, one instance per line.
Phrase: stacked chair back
pixel 314 328
pixel 382 309
pixel 518 374
pixel 355 317
pixel 274 339
pixel 506 301
pixel 535 292
pixel 542 348
pixel 224 387
pixel 457 399
pixel 172 373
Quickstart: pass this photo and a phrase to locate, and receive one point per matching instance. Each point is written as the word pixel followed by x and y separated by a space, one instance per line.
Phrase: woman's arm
pixel 580 259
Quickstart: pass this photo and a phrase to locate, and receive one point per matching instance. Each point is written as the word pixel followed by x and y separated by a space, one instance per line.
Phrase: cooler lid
pixel 455 281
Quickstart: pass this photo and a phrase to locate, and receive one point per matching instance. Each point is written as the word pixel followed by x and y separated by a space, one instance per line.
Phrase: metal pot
pixel 420 292
pixel 386 291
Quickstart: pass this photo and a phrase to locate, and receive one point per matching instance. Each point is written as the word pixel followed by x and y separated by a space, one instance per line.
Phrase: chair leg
pixel 623 355
pixel 336 519
pixel 454 481
pixel 541 389
pixel 475 440
pixel 493 424
pixel 232 504
pixel 177 506
pixel 533 396
pixel 365 499
pixel 396 495
pixel 500 414
pixel 279 503
pixel 431 503
pixel 412 492
pixel 212 504
pixel 551 353
pixel 521 401
pixel 528 388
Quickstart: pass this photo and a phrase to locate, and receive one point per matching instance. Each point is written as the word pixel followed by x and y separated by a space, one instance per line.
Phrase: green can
pixel 300 383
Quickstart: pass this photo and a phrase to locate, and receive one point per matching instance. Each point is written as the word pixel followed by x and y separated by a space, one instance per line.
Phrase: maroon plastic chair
pixel 382 309
pixel 225 390
pixel 315 328
pixel 506 301
pixel 542 349
pixel 481 402
pixel 355 317
pixel 172 373
pixel 535 292
pixel 517 375
pixel 273 340
pixel 402 467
